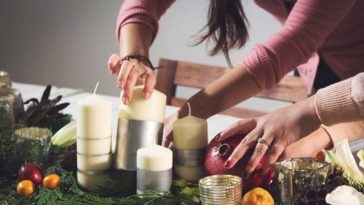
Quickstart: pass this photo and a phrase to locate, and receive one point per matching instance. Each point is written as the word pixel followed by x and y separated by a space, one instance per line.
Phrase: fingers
pixel 242 126
pixel 259 151
pixel 130 84
pixel 167 140
pixel 123 74
pixel 114 63
pixel 274 153
pixel 246 143
pixel 150 82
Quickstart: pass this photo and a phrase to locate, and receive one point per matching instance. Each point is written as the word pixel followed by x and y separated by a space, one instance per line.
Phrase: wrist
pixel 134 39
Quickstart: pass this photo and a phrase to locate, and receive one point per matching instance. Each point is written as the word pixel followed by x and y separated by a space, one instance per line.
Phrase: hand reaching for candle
pixel 129 72
pixel 272 133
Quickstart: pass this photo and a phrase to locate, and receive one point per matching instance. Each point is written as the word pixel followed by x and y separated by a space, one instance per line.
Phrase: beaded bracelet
pixel 139 58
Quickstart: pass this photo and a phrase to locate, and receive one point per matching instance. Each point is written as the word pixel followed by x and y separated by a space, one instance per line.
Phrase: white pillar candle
pixel 140 125
pixel 190 140
pixel 154 168
pixel 139 108
pixel 94 114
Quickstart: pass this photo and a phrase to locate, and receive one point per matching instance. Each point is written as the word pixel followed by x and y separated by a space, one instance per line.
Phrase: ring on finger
pixel 263 141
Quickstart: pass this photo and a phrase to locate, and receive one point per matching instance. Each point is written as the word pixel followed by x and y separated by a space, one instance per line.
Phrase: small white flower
pixel 344 195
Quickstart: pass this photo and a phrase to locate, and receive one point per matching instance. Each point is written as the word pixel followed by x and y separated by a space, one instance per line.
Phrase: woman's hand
pixel 129 73
pixel 168 130
pixel 272 133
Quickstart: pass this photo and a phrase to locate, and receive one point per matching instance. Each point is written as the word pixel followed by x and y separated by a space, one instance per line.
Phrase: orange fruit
pixel 25 187
pixel 258 196
pixel 51 181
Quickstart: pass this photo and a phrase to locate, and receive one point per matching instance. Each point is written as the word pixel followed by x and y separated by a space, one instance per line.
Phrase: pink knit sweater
pixel 341 102
pixel 332 29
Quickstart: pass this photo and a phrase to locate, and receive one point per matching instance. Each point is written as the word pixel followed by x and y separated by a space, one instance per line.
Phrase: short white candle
pixel 154 168
pixel 190 133
pixel 139 108
pixel 154 158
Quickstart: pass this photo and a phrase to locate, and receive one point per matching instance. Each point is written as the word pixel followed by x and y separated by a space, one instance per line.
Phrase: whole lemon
pixel 258 196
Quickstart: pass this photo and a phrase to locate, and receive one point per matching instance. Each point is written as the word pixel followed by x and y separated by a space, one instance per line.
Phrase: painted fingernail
pixel 227 164
pixel 218 137
pixel 146 95
pixel 125 100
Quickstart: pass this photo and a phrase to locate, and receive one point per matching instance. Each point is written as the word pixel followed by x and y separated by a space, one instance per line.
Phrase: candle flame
pixel 97 85
pixel 189 108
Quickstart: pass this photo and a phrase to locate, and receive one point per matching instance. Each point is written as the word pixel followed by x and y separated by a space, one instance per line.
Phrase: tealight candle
pixel 93 140
pixel 190 140
pixel 140 125
pixel 154 168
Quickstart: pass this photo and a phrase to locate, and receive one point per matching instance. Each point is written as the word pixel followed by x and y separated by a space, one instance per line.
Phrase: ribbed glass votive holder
pixel 220 189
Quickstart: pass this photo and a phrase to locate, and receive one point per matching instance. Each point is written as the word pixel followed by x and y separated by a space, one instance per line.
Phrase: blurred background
pixel 68 43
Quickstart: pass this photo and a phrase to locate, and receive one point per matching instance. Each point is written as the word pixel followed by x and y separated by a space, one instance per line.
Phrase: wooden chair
pixel 179 73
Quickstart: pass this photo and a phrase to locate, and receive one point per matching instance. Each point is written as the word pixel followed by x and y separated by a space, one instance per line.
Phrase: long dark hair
pixel 226 27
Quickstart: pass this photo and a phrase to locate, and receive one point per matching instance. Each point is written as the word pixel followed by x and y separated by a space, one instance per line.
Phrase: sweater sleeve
pixel 306 27
pixel 145 12
pixel 341 102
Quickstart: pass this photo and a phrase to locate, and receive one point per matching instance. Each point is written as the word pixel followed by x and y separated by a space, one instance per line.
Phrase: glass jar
pixel 10 98
pixel 297 176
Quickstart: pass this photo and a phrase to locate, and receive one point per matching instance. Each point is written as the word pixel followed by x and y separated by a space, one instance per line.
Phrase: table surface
pixel 215 123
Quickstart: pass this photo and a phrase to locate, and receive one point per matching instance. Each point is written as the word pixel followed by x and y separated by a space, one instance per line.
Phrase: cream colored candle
pixel 154 168
pixel 190 139
pixel 93 140
pixel 154 158
pixel 140 124
pixel 94 117
pixel 139 108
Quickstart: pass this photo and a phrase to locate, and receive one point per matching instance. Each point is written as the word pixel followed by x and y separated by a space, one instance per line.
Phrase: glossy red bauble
pixel 31 172
pixel 218 153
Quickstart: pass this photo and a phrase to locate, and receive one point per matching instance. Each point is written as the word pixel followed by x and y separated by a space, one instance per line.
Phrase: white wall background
pixel 67 43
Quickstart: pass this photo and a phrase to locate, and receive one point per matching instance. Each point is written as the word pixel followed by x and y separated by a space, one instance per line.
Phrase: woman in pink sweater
pixel 324 40
pixel 341 102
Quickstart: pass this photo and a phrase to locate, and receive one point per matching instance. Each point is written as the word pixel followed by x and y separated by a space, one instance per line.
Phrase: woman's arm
pixel 304 31
pixel 341 102
pixel 137 26
pixel 232 88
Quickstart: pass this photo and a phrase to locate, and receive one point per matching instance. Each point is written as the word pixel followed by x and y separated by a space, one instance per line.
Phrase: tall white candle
pixel 93 128
pixel 94 117
pixel 190 135
pixel 154 168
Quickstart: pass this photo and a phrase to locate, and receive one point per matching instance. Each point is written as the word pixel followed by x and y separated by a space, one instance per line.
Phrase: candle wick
pixel 97 85
pixel 189 109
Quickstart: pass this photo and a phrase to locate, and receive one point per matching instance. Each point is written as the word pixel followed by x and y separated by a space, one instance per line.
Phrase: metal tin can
pixel 221 189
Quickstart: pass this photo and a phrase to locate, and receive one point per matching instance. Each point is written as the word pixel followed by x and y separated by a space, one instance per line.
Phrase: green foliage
pixel 46 112
pixel 68 193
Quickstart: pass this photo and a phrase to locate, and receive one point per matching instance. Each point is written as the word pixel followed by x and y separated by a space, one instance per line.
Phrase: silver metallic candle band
pixel 132 135
pixel 189 157
pixel 153 180
pixel 94 173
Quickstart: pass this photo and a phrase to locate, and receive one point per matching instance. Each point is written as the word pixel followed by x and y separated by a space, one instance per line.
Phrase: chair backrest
pixel 179 73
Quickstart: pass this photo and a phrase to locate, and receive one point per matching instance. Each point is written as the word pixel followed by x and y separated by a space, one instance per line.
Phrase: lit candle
pixel 140 125
pixel 154 168
pixel 190 140
pixel 93 140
